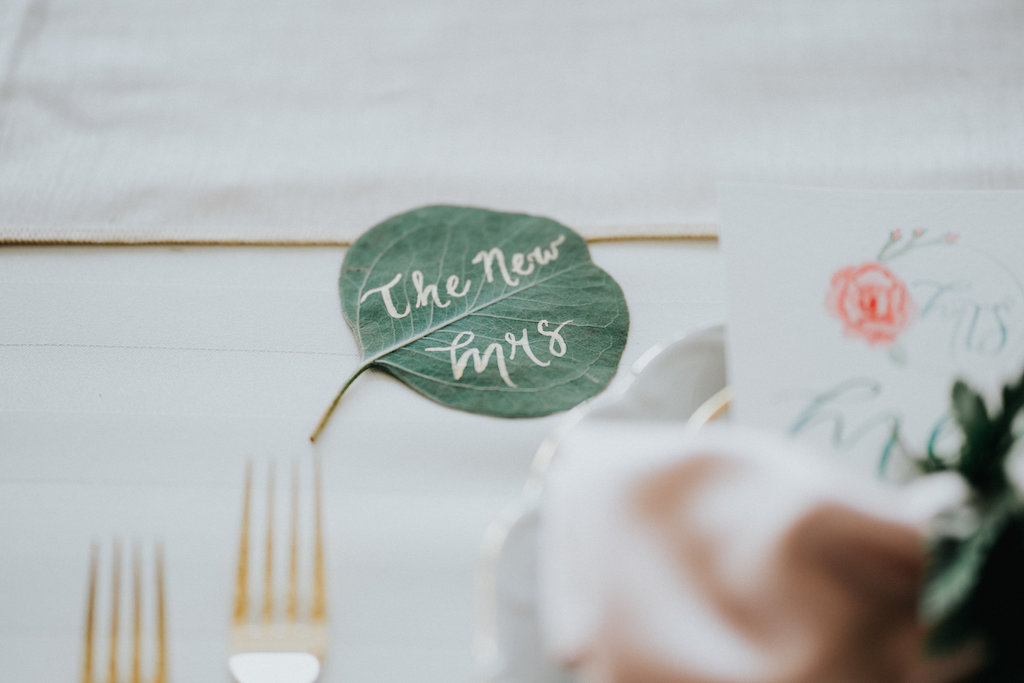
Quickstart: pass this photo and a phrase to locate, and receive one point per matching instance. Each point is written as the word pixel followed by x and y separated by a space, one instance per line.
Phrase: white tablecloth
pixel 137 381
pixel 309 121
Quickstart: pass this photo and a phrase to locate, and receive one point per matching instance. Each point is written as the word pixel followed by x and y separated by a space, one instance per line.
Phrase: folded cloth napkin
pixel 718 555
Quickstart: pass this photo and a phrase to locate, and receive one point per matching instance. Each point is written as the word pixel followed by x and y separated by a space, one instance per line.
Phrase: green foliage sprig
pixel 974 588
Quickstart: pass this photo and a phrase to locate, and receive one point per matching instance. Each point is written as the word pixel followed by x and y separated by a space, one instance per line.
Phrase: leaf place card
pixel 496 313
pixel 852 313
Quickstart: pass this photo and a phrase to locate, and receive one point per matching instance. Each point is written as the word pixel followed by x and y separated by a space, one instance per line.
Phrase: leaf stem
pixel 337 399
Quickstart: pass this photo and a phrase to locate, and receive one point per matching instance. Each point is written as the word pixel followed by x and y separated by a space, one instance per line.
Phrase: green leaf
pixel 973 583
pixel 969 411
pixel 495 313
pixel 956 573
pixel 976 460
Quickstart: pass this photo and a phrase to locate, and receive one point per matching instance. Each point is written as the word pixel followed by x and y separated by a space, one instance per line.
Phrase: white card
pixel 851 313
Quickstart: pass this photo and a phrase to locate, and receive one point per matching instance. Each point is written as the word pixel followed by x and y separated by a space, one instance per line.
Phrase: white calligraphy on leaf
pixel 426 295
pixel 556 347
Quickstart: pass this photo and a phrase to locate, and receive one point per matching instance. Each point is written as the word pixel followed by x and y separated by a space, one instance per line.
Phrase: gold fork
pixel 280 645
pixel 159 653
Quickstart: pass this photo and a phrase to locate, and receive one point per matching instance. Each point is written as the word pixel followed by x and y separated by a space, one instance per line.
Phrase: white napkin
pixel 668 554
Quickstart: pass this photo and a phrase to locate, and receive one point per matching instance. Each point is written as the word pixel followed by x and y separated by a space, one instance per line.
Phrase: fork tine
pixel 160 675
pixel 90 611
pixel 293 548
pixel 287 633
pixel 134 640
pixel 318 612
pixel 268 580
pixel 115 613
pixel 242 578
pixel 136 616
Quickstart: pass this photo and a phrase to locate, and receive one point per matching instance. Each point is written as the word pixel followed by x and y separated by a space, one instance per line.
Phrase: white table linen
pixel 310 121
pixel 136 382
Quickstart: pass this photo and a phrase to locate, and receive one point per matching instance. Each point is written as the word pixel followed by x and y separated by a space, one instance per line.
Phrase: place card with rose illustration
pixel 851 313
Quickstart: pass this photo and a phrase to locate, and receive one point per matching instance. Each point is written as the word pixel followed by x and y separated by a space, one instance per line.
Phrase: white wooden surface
pixel 136 381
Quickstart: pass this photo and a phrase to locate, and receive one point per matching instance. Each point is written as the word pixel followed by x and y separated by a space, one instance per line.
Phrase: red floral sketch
pixel 871 302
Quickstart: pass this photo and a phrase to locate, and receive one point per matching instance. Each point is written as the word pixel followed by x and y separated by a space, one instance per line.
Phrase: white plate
pixel 668 383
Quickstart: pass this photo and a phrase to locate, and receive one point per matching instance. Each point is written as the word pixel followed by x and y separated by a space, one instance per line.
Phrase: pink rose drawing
pixel 871 301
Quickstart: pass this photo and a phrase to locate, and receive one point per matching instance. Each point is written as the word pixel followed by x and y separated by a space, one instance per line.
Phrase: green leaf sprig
pixel 974 587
